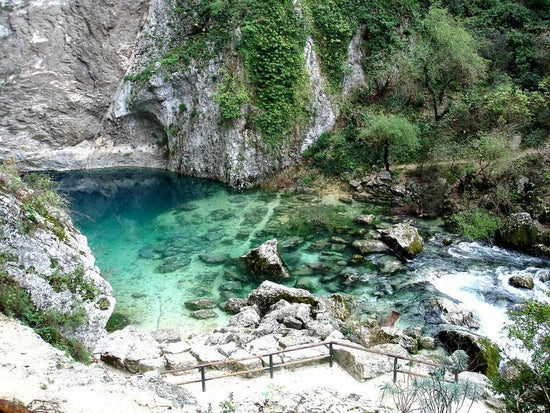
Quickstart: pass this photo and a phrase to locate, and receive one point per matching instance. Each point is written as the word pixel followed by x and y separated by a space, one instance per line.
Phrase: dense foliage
pixel 471 76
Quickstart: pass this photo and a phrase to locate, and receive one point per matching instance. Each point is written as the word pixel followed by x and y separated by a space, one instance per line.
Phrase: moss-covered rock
pixel 484 355
pixel 518 231
pixel 403 239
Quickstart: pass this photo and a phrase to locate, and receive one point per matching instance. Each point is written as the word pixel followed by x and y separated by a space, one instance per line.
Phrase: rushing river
pixel 161 239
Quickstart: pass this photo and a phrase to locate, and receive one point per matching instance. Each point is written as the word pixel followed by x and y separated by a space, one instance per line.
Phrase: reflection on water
pixel 162 239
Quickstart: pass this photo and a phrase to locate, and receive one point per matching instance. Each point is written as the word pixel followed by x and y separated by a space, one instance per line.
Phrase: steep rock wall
pixel 196 139
pixel 65 103
pixel 60 64
pixel 46 256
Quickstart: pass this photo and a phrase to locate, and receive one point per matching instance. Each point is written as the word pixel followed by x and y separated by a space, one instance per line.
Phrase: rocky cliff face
pixel 65 103
pixel 42 253
pixel 60 64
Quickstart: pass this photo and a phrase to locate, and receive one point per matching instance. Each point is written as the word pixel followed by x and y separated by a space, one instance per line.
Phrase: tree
pixel 391 132
pixel 526 386
pixel 444 59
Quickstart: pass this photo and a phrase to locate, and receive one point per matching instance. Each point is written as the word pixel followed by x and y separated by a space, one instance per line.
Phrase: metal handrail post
pixel 330 354
pixel 271 366
pixel 203 379
pixel 394 369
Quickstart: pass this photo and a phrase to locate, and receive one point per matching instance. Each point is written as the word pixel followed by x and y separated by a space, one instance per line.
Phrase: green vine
pixel 273 41
pixel 230 95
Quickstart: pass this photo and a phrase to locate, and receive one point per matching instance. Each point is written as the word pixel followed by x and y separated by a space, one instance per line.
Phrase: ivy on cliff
pixel 273 41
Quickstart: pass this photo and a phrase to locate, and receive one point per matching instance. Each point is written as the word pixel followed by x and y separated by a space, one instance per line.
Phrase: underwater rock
pixel 147 253
pixel 338 240
pixel 222 215
pixel 356 259
pixel 403 239
pixel 386 264
pixel 319 245
pixel 319 267
pixel 213 236
pixel 203 314
pixel 214 257
pixel 230 275
pixel 307 284
pixel 188 206
pixel 265 263
pixel 301 271
pixel 172 264
pixel 291 243
pixel 365 219
pixel 227 295
pixel 370 246
pixel 232 286
pixel 269 293
pixel 201 304
pixel 522 281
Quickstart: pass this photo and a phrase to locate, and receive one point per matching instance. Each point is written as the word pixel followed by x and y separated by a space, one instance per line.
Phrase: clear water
pixel 148 230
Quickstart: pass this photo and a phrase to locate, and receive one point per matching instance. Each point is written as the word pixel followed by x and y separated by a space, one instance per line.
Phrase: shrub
pixel 117 321
pixel 478 224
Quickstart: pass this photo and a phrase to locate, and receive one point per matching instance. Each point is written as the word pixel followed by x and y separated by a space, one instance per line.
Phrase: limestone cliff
pixel 72 96
pixel 60 64
pixel 44 259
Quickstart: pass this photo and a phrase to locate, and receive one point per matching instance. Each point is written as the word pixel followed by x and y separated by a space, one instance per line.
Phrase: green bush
pixel 478 224
pixel 117 321
pixel 75 283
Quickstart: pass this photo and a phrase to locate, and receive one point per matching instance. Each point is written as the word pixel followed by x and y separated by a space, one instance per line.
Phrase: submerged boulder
pixel 214 257
pixel 370 246
pixel 367 219
pixel 201 304
pixel 265 263
pixel 403 239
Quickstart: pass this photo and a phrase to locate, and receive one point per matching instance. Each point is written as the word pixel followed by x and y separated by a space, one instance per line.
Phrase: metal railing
pixel 272 366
